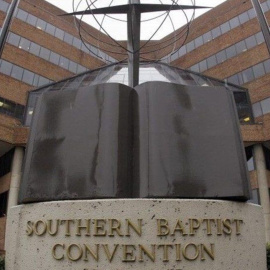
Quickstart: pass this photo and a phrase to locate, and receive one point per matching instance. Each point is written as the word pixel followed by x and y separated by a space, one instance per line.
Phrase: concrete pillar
pixel 263 187
pixel 16 170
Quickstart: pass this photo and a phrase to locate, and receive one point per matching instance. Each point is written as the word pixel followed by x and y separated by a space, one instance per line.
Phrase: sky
pixel 117 29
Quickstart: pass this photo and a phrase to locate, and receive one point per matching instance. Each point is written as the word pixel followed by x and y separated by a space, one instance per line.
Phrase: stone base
pixel 136 234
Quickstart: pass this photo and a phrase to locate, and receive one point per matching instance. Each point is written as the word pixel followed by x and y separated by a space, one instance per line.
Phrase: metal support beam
pixel 5 27
pixel 133 45
pixel 263 22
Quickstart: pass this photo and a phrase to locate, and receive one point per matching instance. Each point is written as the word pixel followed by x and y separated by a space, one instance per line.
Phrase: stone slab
pixel 136 234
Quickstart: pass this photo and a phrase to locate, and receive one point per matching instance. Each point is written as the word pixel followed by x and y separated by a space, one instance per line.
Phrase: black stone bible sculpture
pixel 157 140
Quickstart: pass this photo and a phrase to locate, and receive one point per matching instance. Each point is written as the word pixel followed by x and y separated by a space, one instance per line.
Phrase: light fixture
pixel 1 103
pixel 247 119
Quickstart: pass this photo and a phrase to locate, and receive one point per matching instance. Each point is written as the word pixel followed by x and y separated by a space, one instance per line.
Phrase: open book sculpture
pixel 157 140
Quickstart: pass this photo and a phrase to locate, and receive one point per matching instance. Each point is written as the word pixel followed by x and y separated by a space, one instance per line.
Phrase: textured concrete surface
pixel 136 234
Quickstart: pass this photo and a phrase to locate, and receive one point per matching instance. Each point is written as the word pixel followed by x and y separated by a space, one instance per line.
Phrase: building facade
pixel 224 43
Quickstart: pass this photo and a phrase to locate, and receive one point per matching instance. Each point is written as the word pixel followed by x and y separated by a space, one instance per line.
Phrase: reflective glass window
pixel 259 38
pixel 182 50
pixel 203 65
pixel 240 47
pixel 248 75
pixel 64 62
pixel 264 6
pixel 265 105
pixel 251 42
pixel 36 78
pixel 190 46
pixel 221 56
pixel 198 41
pixel 243 17
pixel 267 66
pixel 68 38
pixel 231 52
pixel 234 22
pixel 234 79
pixel 251 14
pixel 50 29
pixel 77 43
pixel 225 27
pixel 216 32
pixel 31 19
pixel 81 69
pixel 34 48
pixel 54 58
pixel 42 81
pixel 4 6
pixel 195 68
pixel 28 77
pixel 207 37
pixel 22 15
pixel 258 70
pixel 5 67
pixel 44 53
pixel 257 109
pixel 24 44
pixel 59 33
pixel 211 61
pixel 41 24
pixel 14 39
pixel 240 78
pixel 72 67
pixel 17 72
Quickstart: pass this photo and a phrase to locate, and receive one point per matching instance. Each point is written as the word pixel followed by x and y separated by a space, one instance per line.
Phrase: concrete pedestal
pixel 136 234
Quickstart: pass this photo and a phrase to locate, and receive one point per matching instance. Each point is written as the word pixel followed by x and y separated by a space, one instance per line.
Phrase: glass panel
pixel 258 70
pixel 216 32
pixel 4 6
pixel 72 67
pixel 234 79
pixel 5 67
pixel 44 53
pixel 251 42
pixel 221 57
pixel 34 48
pixel 265 106
pixel 182 50
pixel 234 22
pixel 190 46
pixel 251 14
pixel 77 43
pixel 203 65
pixel 198 41
pixel 50 29
pixel 24 44
pixel 59 33
pixel 41 24
pixel 211 61
pixel 28 77
pixel 54 58
pixel 257 109
pixel 22 15
pixel 207 37
pixel 267 66
pixel 248 75
pixel 31 19
pixel 17 72
pixel 231 52
pixel 14 39
pixel 64 62
pixel 225 27
pixel 68 38
pixel 195 68
pixel 240 47
pixel 243 17
pixel 259 38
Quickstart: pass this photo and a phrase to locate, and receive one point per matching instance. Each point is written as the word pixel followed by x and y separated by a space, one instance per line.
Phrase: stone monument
pixel 149 176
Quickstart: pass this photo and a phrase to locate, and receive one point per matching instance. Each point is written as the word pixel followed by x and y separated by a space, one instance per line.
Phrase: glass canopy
pixel 118 73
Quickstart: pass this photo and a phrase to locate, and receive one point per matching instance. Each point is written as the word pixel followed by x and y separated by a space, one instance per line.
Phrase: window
pixel 68 38
pixel 231 52
pixel 54 58
pixel 248 75
pixel 225 27
pixel 5 67
pixel 203 65
pixel 234 22
pixel 190 46
pixel 4 6
pixel 22 15
pixel 257 109
pixel 59 33
pixel 259 38
pixel 77 43
pixel 195 68
pixel 44 53
pixel 50 29
pixel 17 72
pixel 3 204
pixel 216 32
pixel 207 37
pixel 198 41
pixel 28 77
pixel 267 66
pixel 72 67
pixel 64 62
pixel 243 17
pixel 34 48
pixel 221 56
pixel 13 39
pixel 24 44
pixel 31 19
pixel 234 79
pixel 182 50
pixel 251 42
pixel 251 14
pixel 240 47
pixel 258 70
pixel 41 24
pixel 211 61
pixel 265 104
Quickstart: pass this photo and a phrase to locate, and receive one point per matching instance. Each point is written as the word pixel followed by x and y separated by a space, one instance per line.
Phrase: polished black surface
pixel 188 143
pixel 160 140
pixel 80 145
